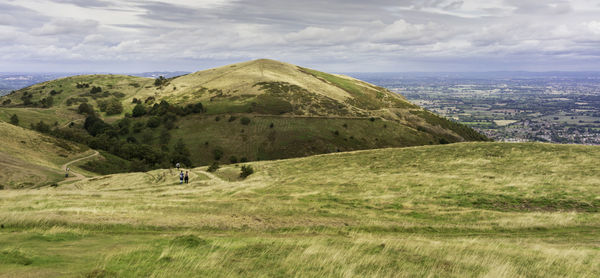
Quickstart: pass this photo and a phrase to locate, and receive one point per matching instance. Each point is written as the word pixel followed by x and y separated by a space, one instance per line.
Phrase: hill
pixel 460 210
pixel 30 159
pixel 256 110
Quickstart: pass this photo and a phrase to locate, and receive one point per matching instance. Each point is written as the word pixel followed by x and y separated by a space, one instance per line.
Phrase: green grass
pixel 459 210
pixel 289 136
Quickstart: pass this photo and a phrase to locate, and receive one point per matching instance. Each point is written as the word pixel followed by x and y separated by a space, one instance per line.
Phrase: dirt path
pixel 75 175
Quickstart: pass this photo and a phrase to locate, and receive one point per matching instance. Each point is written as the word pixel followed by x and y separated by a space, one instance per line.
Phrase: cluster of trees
pixel 161 80
pixel 116 138
pixel 45 102
pixel 111 106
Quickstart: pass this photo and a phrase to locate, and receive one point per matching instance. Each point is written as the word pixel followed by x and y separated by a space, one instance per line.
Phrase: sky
pixel 336 36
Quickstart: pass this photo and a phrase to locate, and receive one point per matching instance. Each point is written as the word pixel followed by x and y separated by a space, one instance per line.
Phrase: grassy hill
pixel 291 111
pixel 28 158
pixel 459 210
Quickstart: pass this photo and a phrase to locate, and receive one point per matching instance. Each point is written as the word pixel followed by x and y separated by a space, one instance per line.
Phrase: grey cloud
pixel 334 35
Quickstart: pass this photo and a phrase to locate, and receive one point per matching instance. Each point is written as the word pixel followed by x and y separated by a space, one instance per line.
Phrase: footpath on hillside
pixel 74 175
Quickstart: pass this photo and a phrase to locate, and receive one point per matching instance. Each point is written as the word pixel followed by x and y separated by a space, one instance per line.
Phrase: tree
pixel 164 137
pixel 245 121
pixel 181 154
pixel 153 122
pixel 6 102
pixel 161 80
pixel 139 110
pixel 85 108
pixel 217 154
pixel 95 90
pixel 213 167
pixel 114 107
pixel 47 102
pixel 41 127
pixel 246 171
pixel 14 119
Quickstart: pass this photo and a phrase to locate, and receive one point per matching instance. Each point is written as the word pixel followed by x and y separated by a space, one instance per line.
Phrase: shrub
pixel 271 125
pixel 41 127
pixel 95 90
pixel 233 159
pixel 153 122
pixel 217 154
pixel 6 102
pixel 114 107
pixel 149 100
pixel 243 159
pixel 85 108
pixel 246 171
pixel 139 110
pixel 245 121
pixel 217 118
pixel 54 92
pixel 232 118
pixel 14 119
pixel 138 127
pixel 213 167
pixel 161 80
pixel 47 102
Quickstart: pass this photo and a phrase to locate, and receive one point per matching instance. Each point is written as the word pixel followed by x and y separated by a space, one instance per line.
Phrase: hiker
pixel 187 177
pixel 177 165
pixel 67 172
pixel 181 177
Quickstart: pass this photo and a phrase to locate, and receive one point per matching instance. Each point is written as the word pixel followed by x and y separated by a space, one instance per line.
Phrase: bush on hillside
pixel 181 154
pixel 233 159
pixel 14 119
pixel 161 80
pixel 85 108
pixel 6 102
pixel 217 154
pixel 245 121
pixel 246 171
pixel 153 122
pixel 47 102
pixel 213 167
pixel 138 127
pixel 139 110
pixel 95 90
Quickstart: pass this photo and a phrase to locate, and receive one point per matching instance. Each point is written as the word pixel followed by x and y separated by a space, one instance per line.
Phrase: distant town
pixel 509 107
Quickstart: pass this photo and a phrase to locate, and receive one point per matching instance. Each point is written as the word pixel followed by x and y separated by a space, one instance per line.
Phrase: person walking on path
pixel 67 173
pixel 187 177
pixel 181 177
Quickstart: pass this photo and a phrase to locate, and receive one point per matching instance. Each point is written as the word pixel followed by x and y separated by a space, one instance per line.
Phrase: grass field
pixel 459 210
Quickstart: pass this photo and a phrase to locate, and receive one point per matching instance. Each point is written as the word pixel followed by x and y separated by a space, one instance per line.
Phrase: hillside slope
pixel 292 111
pixel 460 210
pixel 28 158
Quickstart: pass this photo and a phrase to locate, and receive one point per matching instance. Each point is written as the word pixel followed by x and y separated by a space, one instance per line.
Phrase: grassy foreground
pixel 460 210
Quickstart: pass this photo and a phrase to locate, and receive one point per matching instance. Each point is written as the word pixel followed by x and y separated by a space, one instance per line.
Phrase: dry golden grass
pixel 29 158
pixel 461 210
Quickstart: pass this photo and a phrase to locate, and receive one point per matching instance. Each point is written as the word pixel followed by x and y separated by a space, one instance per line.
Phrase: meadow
pixel 458 210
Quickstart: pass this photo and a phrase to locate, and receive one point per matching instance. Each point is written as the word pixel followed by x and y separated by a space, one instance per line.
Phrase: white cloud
pixel 350 34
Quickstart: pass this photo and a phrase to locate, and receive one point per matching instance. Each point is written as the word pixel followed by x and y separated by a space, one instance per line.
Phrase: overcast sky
pixel 337 36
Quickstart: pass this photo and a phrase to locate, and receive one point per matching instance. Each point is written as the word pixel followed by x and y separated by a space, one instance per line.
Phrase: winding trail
pixel 75 175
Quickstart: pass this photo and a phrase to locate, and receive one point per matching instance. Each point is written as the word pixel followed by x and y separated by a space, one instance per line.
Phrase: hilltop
pixel 255 110
pixel 459 210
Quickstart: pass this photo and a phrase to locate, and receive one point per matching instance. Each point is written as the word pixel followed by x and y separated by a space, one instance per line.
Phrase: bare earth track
pixel 77 176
